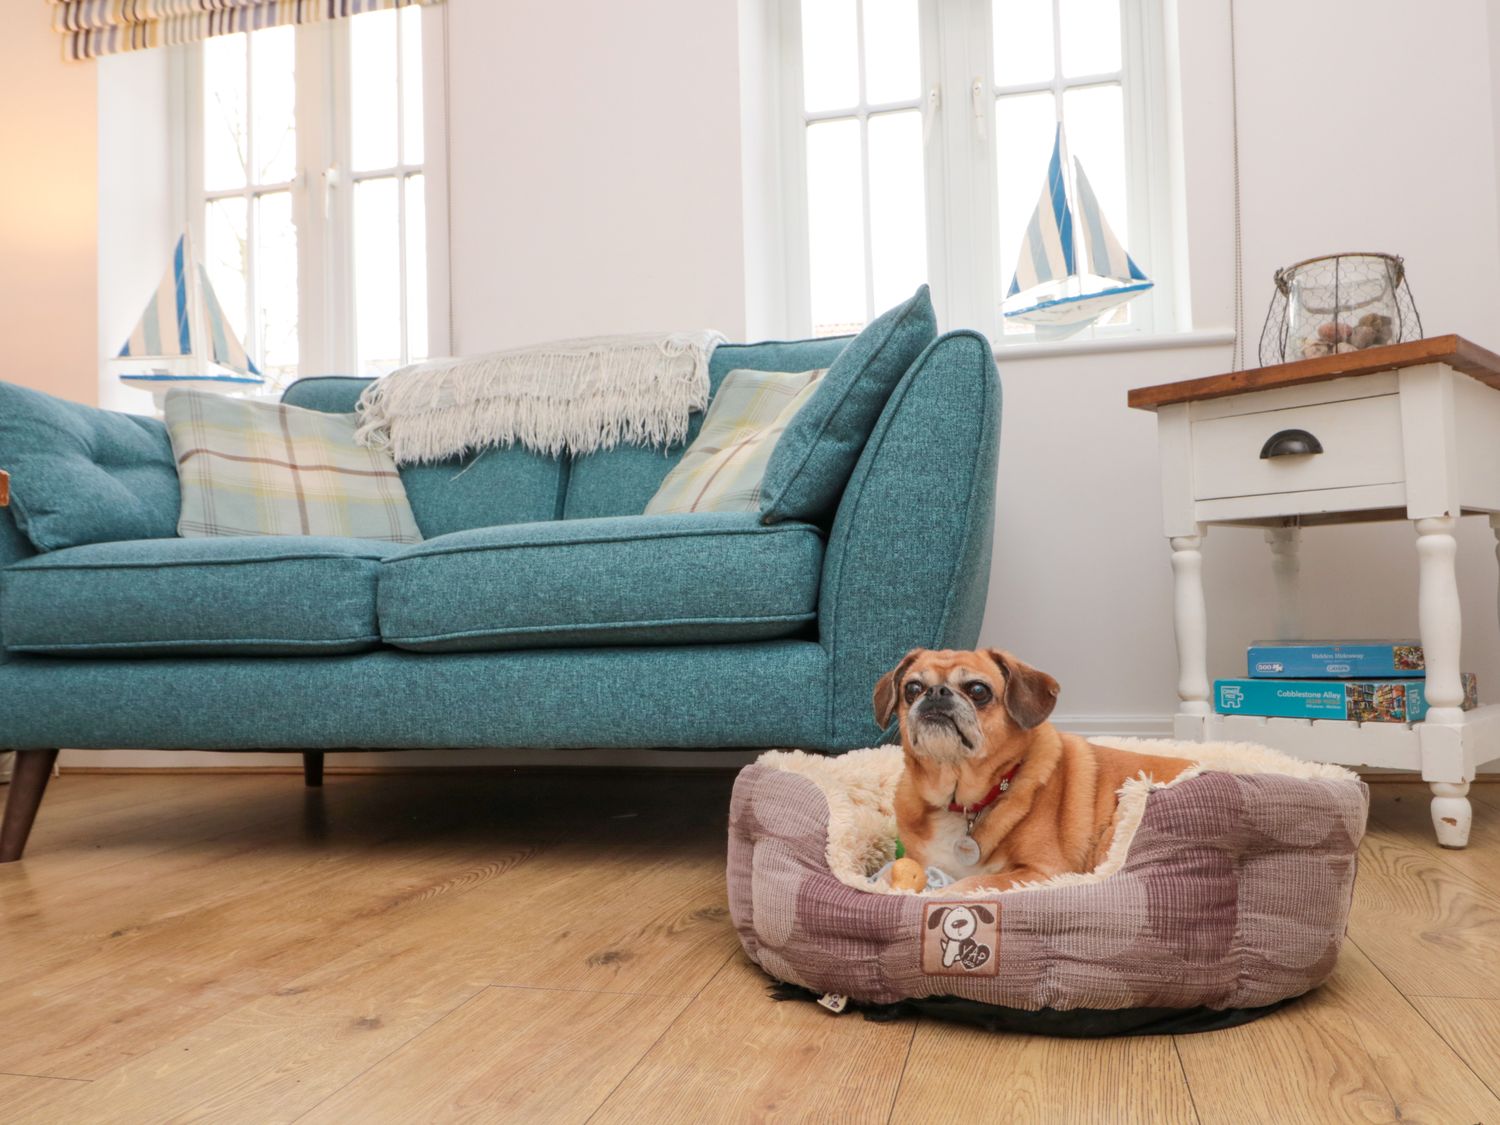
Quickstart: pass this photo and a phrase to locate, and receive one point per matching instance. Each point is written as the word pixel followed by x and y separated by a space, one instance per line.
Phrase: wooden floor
pixel 540 947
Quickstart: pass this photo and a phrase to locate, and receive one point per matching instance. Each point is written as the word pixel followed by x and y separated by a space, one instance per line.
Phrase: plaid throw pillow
pixel 722 470
pixel 261 468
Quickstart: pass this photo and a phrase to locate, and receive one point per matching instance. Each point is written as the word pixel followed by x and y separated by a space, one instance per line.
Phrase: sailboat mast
pixel 1070 190
pixel 196 314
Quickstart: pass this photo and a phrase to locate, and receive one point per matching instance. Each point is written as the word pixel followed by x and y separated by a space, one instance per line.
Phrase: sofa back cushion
pixel 82 475
pixel 813 460
pixel 621 481
pixel 487 489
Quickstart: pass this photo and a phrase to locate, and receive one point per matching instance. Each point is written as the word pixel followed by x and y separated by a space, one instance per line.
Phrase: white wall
pixel 140 178
pixel 598 186
pixel 596 169
pixel 47 199
pixel 1364 126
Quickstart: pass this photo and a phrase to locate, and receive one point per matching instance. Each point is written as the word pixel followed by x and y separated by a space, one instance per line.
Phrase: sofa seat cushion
pixel 671 579
pixel 244 596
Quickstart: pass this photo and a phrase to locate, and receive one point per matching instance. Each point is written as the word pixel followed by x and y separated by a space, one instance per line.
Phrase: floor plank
pixel 958 1073
pixel 459 947
pixel 374 982
pixel 1430 922
pixel 26 1094
pixel 1471 1028
pixel 734 1054
pixel 1353 1050
pixel 509 1054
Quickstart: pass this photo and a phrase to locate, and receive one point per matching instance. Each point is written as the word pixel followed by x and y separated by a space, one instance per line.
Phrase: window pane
pixel 411 84
pixel 224 113
pixel 1095 117
pixel 892 51
pixel 416 268
pixel 377 276
pixel 830 54
pixel 273 121
pixel 226 258
pixel 898 209
pixel 276 284
pixel 1024 127
pixel 1090 36
pixel 372 81
pixel 835 227
pixel 1023 41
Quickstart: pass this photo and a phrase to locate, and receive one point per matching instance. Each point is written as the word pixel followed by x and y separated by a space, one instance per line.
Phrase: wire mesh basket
pixel 1341 303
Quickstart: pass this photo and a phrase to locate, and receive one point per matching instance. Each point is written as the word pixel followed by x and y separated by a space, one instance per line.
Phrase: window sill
pixel 1194 338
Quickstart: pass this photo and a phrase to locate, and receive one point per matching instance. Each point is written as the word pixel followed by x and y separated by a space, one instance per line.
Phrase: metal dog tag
pixel 967 850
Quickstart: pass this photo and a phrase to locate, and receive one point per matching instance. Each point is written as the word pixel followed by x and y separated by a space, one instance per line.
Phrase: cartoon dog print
pixel 959 924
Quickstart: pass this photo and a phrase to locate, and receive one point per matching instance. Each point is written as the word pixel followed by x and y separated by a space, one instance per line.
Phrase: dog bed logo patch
pixel 961 939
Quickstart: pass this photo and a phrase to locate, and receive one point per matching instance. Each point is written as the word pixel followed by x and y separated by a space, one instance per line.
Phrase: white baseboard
pixel 1115 726
pixel 1090 726
pixel 75 760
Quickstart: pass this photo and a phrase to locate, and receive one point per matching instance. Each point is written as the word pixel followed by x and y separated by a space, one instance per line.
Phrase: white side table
pixel 1409 431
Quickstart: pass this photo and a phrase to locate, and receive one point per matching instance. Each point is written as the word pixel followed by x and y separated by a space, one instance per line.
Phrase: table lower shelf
pixel 1377 745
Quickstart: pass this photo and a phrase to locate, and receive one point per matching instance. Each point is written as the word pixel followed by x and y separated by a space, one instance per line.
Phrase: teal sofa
pixel 541 610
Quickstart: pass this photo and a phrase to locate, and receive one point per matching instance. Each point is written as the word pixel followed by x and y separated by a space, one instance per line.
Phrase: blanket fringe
pixel 572 396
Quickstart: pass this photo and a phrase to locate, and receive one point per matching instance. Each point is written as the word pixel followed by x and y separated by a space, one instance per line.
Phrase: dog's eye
pixel 979 691
pixel 913 689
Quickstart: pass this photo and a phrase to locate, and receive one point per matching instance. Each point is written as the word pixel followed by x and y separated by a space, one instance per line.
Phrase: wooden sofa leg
pixel 312 767
pixel 28 781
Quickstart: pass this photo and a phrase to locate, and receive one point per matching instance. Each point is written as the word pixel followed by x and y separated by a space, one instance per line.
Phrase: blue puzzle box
pixel 1363 701
pixel 1339 659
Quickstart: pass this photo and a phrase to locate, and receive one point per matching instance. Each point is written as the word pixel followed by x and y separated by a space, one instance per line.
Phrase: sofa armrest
pixel 13 545
pixel 908 557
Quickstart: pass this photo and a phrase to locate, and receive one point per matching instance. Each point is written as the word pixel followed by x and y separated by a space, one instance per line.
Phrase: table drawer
pixel 1361 440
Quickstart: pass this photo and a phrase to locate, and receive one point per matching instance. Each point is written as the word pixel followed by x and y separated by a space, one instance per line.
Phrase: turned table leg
pixel 1190 618
pixel 1285 569
pixel 1439 616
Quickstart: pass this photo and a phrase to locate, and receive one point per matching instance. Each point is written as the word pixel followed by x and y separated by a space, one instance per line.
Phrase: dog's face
pixel 959 922
pixel 956 706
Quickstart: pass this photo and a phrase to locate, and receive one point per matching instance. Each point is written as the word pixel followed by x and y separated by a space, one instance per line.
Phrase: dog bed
pixel 1224 894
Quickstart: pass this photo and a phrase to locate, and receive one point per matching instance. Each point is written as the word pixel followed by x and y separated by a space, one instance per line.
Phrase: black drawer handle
pixel 1290 443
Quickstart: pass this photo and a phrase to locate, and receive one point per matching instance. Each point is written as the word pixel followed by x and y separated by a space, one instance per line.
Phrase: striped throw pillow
pixel 722 470
pixel 261 468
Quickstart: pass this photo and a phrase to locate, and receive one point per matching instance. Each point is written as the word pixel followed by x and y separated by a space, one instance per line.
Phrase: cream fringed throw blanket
pixel 569 396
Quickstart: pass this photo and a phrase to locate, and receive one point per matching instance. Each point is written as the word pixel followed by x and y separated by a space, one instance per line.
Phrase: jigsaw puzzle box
pixel 1343 659
pixel 1364 701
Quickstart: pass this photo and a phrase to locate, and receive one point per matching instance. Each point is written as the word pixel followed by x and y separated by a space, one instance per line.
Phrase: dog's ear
pixel 1030 695
pixel 936 919
pixel 888 689
pixel 983 912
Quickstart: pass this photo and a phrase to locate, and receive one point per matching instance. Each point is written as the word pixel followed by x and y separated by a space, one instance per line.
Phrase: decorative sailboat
pixel 183 338
pixel 1057 289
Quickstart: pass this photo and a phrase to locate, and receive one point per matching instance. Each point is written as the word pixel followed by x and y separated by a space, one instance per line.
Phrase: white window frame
pixel 959 97
pixel 323 189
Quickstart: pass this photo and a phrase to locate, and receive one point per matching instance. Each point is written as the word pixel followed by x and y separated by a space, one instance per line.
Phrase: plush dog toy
pixel 992 792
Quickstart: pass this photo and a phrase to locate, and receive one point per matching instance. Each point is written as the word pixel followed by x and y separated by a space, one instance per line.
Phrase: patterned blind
pixel 91 28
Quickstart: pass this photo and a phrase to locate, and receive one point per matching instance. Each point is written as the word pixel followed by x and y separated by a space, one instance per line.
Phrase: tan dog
pixel 992 792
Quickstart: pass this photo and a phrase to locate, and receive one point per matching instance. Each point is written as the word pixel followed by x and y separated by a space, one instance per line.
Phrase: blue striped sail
pixel 1052 293
pixel 183 321
pixel 1047 248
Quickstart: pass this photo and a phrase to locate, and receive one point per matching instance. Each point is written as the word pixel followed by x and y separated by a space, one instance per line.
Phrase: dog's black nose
pixel 942 690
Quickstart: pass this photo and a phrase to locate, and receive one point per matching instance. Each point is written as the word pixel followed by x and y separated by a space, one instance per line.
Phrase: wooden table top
pixel 1455 351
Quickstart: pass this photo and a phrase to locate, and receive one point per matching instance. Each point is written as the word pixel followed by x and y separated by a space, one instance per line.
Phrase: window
pixel 918 144
pixel 308 189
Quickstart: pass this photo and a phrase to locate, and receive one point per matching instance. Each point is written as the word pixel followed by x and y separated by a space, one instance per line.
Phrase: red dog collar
pixel 989 798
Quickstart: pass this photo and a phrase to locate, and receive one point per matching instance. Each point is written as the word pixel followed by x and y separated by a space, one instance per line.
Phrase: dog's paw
pixel 964 886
